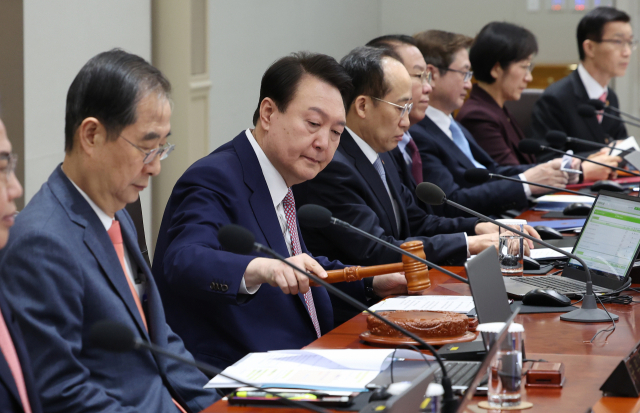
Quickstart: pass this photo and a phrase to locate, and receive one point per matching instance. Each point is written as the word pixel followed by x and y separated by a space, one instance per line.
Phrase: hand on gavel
pixel 391 284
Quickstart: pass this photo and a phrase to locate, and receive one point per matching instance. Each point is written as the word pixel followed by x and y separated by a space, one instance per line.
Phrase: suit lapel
pixel 369 173
pixel 593 126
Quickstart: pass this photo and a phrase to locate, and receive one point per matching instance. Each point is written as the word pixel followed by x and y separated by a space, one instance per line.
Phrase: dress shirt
pixel 402 145
pixel 107 221
pixel 443 121
pixel 278 190
pixel 594 89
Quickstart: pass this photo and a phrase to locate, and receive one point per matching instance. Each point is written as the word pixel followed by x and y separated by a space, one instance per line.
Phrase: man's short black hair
pixel 108 88
pixel 592 24
pixel 280 81
pixel 502 43
pixel 391 40
pixel 364 65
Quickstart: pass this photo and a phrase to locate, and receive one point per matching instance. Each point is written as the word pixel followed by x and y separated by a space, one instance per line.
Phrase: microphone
pixel 534 147
pixel 557 139
pixel 316 216
pixel 588 313
pixel 117 337
pixel 587 111
pixel 481 175
pixel 244 238
pixel 600 105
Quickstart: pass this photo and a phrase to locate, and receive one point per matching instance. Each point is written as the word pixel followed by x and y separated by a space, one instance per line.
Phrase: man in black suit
pixel 17 388
pixel 605 43
pixel 360 185
pixel 448 150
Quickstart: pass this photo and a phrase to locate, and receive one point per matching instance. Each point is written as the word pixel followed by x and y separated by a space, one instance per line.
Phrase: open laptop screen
pixel 610 237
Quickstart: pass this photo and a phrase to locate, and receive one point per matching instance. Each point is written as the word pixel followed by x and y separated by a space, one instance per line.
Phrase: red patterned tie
pixel 416 162
pixel 603 99
pixel 289 205
pixel 10 355
pixel 115 233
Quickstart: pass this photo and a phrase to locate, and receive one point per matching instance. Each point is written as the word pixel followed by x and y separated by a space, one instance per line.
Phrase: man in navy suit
pixel 361 186
pixel 226 305
pixel 448 150
pixel 17 388
pixel 73 259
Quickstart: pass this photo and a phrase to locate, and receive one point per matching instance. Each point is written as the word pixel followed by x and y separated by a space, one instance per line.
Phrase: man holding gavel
pixel 226 305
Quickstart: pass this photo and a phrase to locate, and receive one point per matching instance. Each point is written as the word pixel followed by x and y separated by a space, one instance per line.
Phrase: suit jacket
pixel 9 396
pixel 493 128
pixel 444 164
pixel 351 188
pixel 199 281
pixel 557 110
pixel 407 179
pixel 61 274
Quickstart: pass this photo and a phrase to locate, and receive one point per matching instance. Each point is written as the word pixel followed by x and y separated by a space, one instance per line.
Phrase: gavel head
pixel 417 273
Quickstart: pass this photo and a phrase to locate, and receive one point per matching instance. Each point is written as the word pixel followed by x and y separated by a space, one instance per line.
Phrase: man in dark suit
pixel 226 305
pixel 73 258
pixel 18 393
pixel 361 186
pixel 605 43
pixel 448 150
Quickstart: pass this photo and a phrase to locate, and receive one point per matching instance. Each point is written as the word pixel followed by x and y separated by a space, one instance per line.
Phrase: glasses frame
pixel 425 77
pixel 404 110
pixel 467 75
pixel 529 68
pixel 12 162
pixel 619 43
pixel 150 156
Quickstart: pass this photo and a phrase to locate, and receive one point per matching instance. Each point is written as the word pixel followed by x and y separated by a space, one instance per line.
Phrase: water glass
pixel 511 248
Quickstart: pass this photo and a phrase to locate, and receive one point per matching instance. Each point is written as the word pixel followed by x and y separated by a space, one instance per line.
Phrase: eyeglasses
pixel 150 156
pixel 8 162
pixel 406 109
pixel 467 75
pixel 424 76
pixel 529 67
pixel 620 44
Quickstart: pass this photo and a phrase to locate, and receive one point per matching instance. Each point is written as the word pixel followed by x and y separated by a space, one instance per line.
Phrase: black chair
pixel 521 109
pixel 135 210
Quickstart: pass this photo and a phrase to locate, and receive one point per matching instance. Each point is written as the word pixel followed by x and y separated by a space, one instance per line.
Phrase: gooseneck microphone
pixel 117 337
pixel 588 313
pixel 534 147
pixel 481 175
pixel 600 105
pixel 239 240
pixel 588 111
pixel 316 216
pixel 557 139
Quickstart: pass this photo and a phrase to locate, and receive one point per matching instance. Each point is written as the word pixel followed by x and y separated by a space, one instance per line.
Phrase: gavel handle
pixel 349 274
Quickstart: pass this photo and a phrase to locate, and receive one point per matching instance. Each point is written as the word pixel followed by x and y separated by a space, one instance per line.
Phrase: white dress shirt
pixel 402 145
pixel 594 89
pixel 443 121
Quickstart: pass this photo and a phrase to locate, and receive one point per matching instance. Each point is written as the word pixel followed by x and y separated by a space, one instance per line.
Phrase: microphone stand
pixel 628 122
pixel 588 160
pixel 588 313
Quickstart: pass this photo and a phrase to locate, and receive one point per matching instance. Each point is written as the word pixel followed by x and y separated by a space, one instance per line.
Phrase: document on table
pixel 350 369
pixel 559 202
pixel 456 303
pixel 548 253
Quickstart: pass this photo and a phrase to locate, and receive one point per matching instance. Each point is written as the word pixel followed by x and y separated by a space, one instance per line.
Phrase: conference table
pixel 587 365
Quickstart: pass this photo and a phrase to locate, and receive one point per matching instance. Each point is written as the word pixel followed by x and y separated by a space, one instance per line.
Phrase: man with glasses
pixel 448 150
pixel 73 258
pixel 360 185
pixel 605 45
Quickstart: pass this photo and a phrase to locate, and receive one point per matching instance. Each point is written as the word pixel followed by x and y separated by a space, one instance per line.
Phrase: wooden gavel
pixel 417 273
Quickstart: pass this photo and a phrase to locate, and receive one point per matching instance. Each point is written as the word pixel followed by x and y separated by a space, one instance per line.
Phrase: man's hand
pixel 278 274
pixel 483 228
pixel 575 165
pixel 548 173
pixel 593 172
pixel 479 243
pixel 390 284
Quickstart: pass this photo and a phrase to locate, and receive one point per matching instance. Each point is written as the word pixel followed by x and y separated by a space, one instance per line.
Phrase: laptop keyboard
pixel 460 372
pixel 560 284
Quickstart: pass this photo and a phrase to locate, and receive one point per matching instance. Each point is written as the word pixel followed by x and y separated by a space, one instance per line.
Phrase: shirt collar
pixel 275 182
pixel 104 218
pixel 406 137
pixel 594 89
pixel 369 152
pixel 442 120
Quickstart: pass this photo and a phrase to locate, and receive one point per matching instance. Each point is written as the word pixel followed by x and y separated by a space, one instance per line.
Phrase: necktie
pixel 603 99
pixel 416 161
pixel 116 238
pixel 289 205
pixel 10 355
pixel 462 143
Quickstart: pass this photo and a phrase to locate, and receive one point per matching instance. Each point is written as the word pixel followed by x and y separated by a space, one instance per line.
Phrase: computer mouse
pixel 529 264
pixel 577 209
pixel 545 297
pixel 606 186
pixel 547 232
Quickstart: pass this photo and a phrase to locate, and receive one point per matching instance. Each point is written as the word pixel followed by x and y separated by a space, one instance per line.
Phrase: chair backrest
pixel 521 109
pixel 135 210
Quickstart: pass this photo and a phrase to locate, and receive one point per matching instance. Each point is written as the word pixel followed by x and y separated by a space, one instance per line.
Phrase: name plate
pixel 625 379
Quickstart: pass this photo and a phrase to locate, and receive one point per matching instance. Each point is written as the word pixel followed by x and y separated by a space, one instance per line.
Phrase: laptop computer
pixel 609 244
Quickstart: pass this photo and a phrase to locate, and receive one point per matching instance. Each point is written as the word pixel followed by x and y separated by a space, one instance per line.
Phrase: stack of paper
pixel 349 369
pixel 456 303
pixel 559 202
